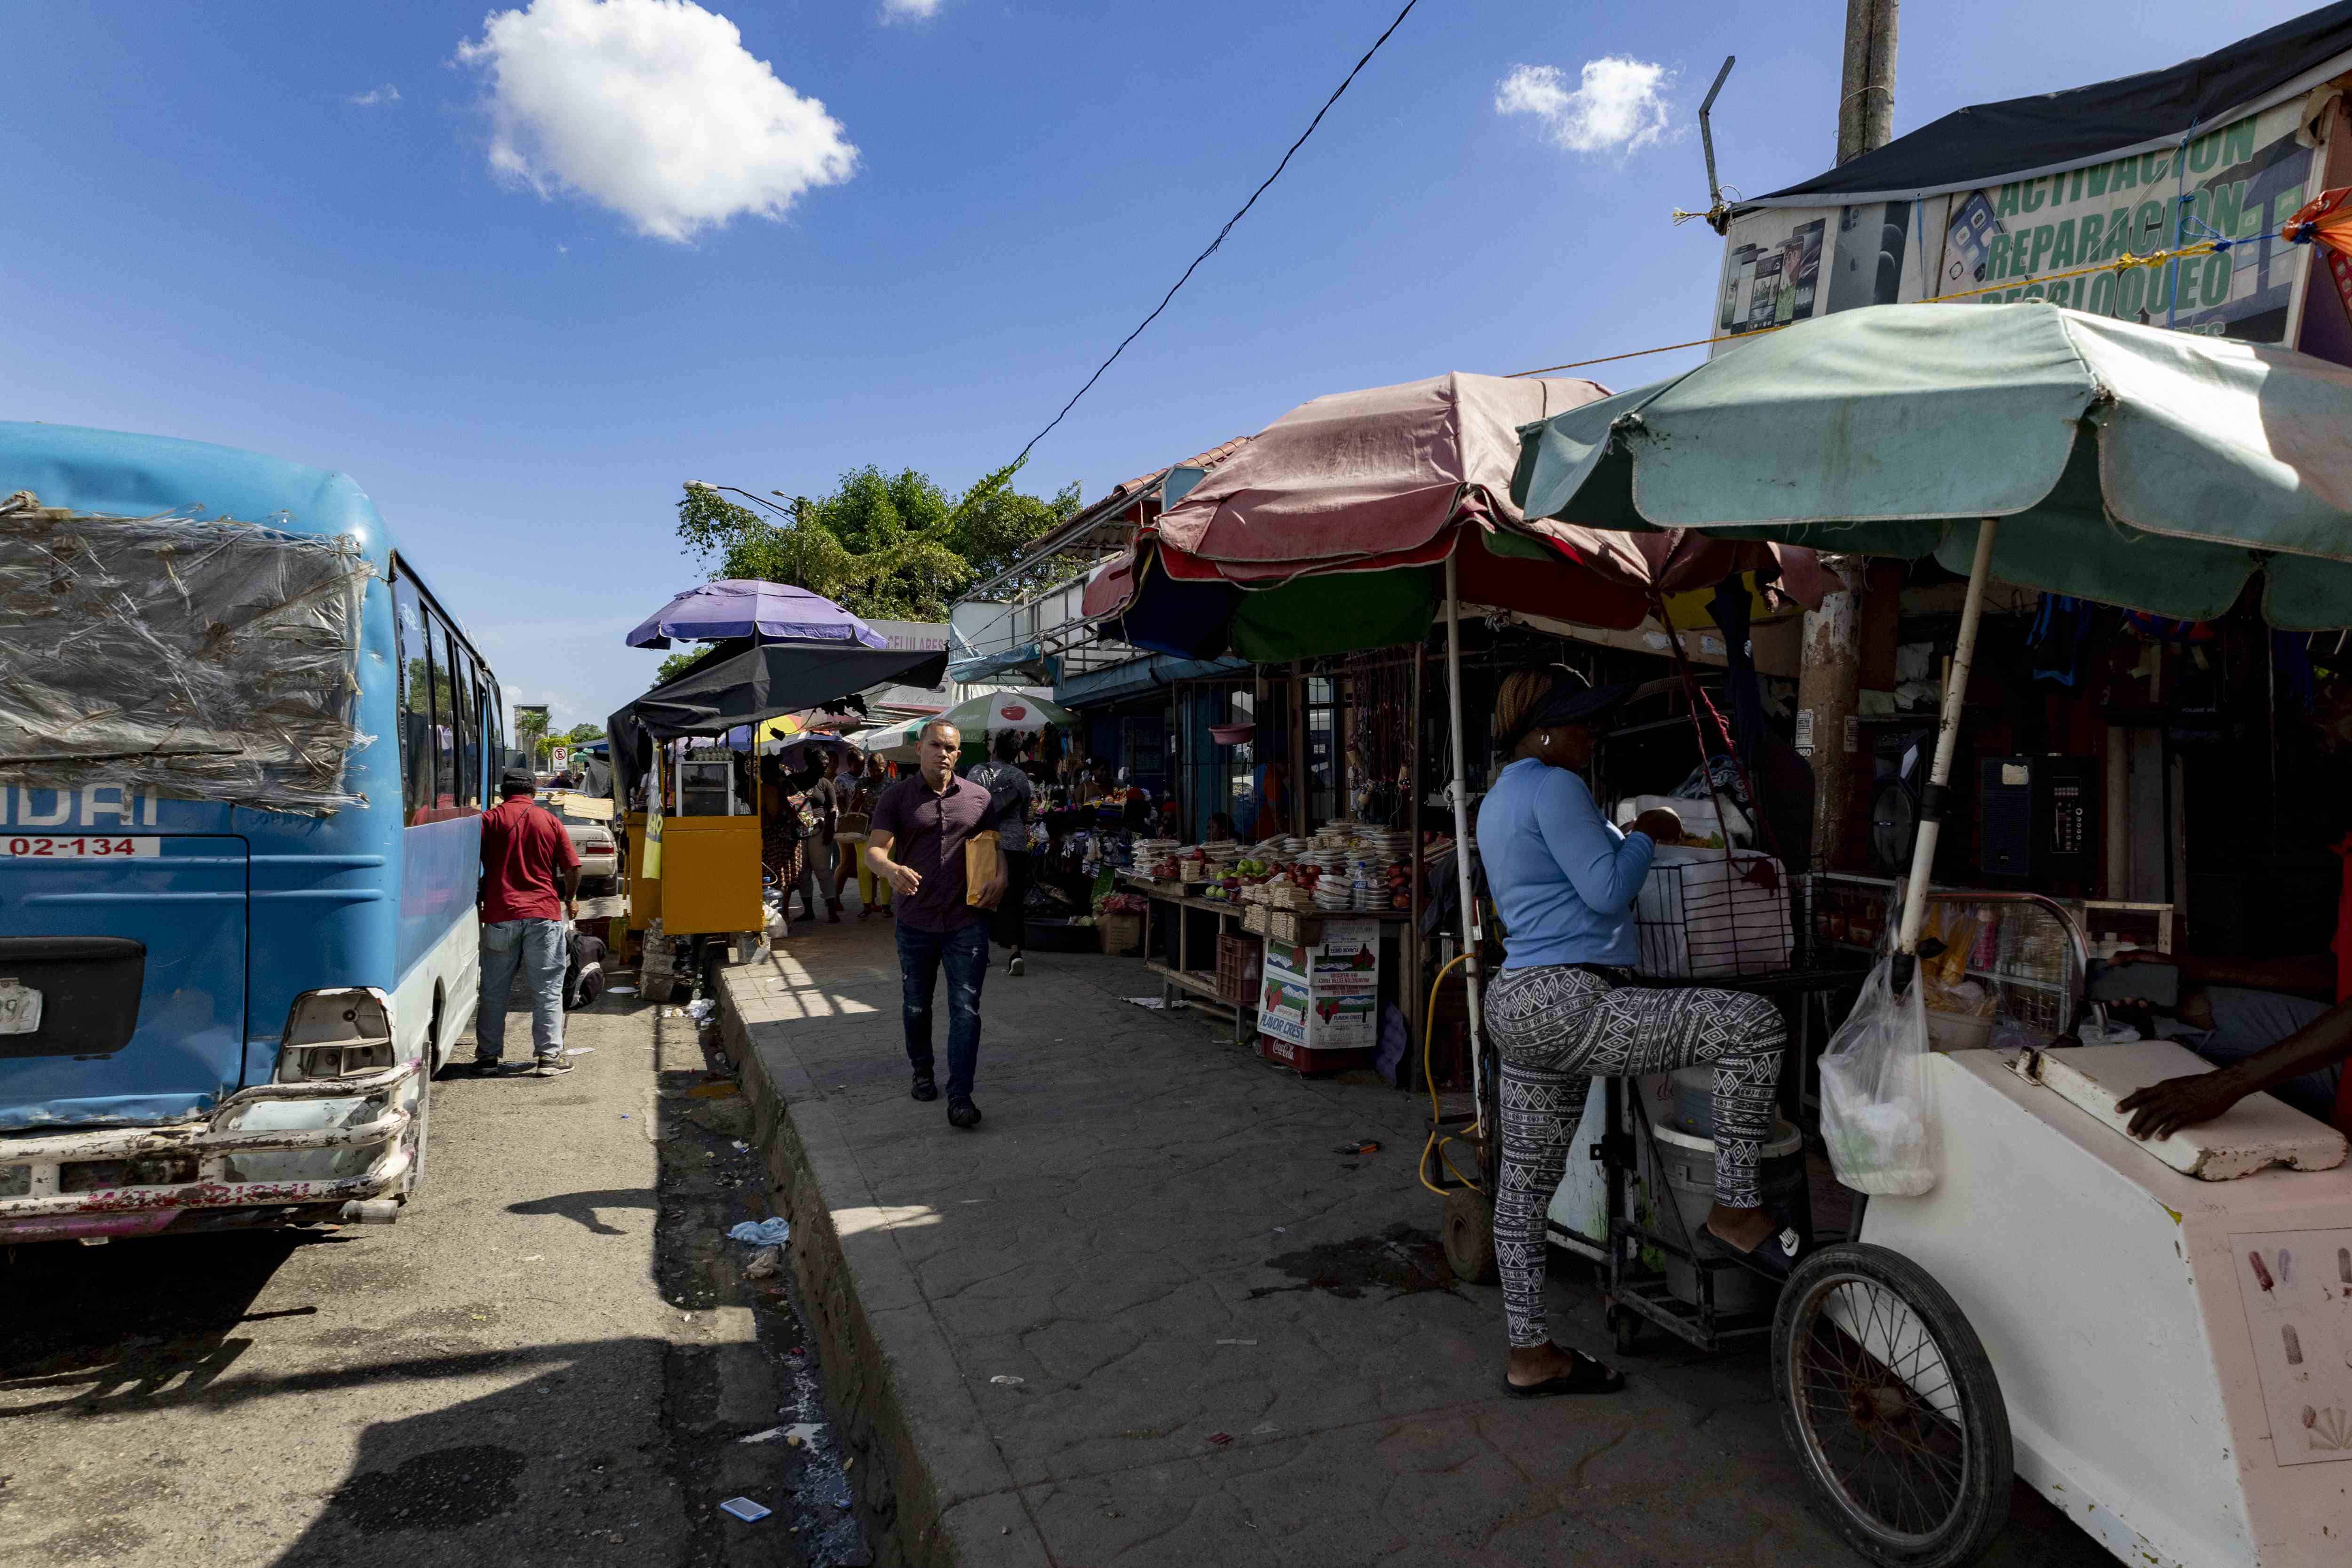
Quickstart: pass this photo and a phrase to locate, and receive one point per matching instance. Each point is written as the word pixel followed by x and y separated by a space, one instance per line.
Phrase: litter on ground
pixel 744 1509
pixel 773 1231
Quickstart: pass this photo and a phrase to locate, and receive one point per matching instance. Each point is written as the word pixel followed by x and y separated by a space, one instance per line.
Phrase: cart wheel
pixel 1625 1328
pixel 1470 1236
pixel 1893 1408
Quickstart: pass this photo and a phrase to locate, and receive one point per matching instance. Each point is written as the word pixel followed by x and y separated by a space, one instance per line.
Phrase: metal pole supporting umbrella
pixel 1459 789
pixel 1948 729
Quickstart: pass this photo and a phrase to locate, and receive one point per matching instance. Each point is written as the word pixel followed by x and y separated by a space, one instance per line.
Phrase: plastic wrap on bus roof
pixel 205 658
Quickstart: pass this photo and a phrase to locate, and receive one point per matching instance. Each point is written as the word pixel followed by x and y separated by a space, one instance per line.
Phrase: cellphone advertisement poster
pixel 2011 239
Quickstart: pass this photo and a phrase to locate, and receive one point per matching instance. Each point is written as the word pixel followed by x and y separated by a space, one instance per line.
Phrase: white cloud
pixel 909 10
pixel 653 109
pixel 1618 105
pixel 373 97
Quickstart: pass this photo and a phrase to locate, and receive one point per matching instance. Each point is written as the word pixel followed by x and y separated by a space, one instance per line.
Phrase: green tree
pixel 884 546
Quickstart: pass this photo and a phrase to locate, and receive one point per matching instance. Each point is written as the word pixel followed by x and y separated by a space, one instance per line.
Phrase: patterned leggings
pixel 1557 1030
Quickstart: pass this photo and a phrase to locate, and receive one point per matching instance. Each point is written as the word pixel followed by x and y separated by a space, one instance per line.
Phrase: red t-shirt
pixel 525 852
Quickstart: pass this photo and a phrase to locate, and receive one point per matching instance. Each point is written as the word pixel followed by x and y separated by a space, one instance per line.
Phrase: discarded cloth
pixel 771 1232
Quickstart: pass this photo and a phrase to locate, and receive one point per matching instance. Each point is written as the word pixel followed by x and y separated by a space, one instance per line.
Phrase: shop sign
pixel 2007 241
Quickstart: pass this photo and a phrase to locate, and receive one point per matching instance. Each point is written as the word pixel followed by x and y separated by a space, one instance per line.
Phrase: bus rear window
pixel 206 659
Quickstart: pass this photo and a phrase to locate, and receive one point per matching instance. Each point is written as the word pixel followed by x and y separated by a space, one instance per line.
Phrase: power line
pixel 1213 244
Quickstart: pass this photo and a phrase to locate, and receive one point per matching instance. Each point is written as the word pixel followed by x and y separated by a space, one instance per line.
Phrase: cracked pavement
pixel 1082 1312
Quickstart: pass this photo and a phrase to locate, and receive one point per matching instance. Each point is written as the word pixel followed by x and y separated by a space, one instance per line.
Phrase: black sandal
pixel 1586 1375
pixel 1774 1256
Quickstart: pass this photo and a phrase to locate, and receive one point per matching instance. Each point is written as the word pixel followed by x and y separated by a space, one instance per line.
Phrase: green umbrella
pixel 2157 470
pixel 992 712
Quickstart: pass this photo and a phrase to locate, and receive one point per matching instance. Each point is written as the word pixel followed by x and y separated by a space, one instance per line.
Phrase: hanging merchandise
pixel 2059 630
pixel 2325 221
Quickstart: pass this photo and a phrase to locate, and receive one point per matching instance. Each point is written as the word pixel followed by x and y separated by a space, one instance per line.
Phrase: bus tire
pixel 421 1129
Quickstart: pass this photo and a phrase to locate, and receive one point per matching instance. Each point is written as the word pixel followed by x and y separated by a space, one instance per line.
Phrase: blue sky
pixel 286 227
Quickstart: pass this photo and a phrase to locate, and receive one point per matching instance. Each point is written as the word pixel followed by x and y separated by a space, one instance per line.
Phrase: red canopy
pixel 1357 476
pixel 1390 477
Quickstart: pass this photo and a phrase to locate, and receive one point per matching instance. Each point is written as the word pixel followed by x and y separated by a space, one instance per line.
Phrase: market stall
pixel 1360 523
pixel 2133 1325
pixel 693 808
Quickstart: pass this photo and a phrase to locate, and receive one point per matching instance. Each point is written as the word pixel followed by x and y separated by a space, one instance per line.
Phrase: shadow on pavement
pixel 564 1464
pixel 582 1207
pixel 133 1327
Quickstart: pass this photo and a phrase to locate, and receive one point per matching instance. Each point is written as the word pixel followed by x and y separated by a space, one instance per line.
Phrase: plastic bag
pixel 1876 1116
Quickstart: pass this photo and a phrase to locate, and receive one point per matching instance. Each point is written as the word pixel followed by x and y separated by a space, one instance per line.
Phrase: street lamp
pixel 792 511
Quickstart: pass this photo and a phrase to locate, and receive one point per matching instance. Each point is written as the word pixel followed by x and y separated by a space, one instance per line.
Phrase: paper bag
pixel 980 864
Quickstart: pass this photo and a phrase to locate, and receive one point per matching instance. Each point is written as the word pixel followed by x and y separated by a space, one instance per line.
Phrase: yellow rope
pixel 2120 264
pixel 1438 1140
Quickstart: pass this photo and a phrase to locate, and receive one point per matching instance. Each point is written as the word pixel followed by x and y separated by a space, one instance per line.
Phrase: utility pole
pixel 1828 680
pixel 1867 99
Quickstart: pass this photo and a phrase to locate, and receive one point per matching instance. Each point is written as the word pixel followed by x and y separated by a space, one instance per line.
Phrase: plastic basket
pixel 1702 915
pixel 1240 961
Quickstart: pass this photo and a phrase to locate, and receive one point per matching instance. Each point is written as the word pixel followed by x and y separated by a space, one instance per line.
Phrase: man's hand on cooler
pixel 2163 1109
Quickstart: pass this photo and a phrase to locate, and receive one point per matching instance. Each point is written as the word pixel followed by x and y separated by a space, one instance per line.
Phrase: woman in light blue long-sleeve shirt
pixel 1565 1010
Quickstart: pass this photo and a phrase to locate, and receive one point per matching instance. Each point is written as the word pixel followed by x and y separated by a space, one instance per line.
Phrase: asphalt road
pixel 550 1359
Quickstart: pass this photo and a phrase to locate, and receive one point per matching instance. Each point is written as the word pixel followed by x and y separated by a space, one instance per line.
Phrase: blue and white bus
pixel 243 758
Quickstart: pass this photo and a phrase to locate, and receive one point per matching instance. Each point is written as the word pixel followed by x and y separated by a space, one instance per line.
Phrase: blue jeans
pixel 964 952
pixel 536 948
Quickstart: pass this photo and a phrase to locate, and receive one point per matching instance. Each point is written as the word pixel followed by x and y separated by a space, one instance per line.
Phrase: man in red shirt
pixel 530 889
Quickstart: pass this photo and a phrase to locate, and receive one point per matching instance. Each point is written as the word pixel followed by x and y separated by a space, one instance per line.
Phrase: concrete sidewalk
pixel 1148 1313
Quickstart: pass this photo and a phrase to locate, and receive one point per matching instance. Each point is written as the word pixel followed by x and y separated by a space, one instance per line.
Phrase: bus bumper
pixel 276 1153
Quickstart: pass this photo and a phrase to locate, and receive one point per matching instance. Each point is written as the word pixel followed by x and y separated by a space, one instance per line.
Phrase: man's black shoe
pixel 924 1087
pixel 962 1113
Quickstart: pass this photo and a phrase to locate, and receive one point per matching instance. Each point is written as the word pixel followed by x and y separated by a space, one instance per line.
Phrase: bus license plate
pixel 82 847
pixel 20 1008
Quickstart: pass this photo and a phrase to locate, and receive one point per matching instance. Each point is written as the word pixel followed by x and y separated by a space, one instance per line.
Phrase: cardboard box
pixel 1325 997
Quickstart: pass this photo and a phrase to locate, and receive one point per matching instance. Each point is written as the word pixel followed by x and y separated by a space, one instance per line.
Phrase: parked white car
pixel 600 853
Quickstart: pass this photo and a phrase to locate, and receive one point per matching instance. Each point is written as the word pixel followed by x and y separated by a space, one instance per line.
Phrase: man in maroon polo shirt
pixel 916 842
pixel 531 887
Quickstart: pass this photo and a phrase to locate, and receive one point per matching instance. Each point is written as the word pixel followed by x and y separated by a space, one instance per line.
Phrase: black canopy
pixel 742 682
pixel 1987 142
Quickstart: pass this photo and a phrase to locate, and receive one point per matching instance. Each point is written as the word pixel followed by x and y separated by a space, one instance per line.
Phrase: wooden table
pixel 1197 983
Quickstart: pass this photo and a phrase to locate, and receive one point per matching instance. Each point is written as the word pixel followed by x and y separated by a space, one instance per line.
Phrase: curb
pixel 933 1489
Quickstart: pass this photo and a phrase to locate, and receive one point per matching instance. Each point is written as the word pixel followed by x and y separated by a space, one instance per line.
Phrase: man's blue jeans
pixel 964 954
pixel 536 948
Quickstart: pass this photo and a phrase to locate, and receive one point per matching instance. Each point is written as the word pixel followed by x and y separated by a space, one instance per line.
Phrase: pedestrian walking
pixel 916 842
pixel 1011 792
pixel 788 836
pixel 529 890
pixel 824 804
pixel 873 888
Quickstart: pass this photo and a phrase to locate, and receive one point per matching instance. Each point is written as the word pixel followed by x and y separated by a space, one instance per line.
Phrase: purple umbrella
pixel 746 607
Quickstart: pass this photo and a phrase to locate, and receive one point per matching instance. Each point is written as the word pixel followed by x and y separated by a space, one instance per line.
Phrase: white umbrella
pixel 892 742
pixel 994 713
